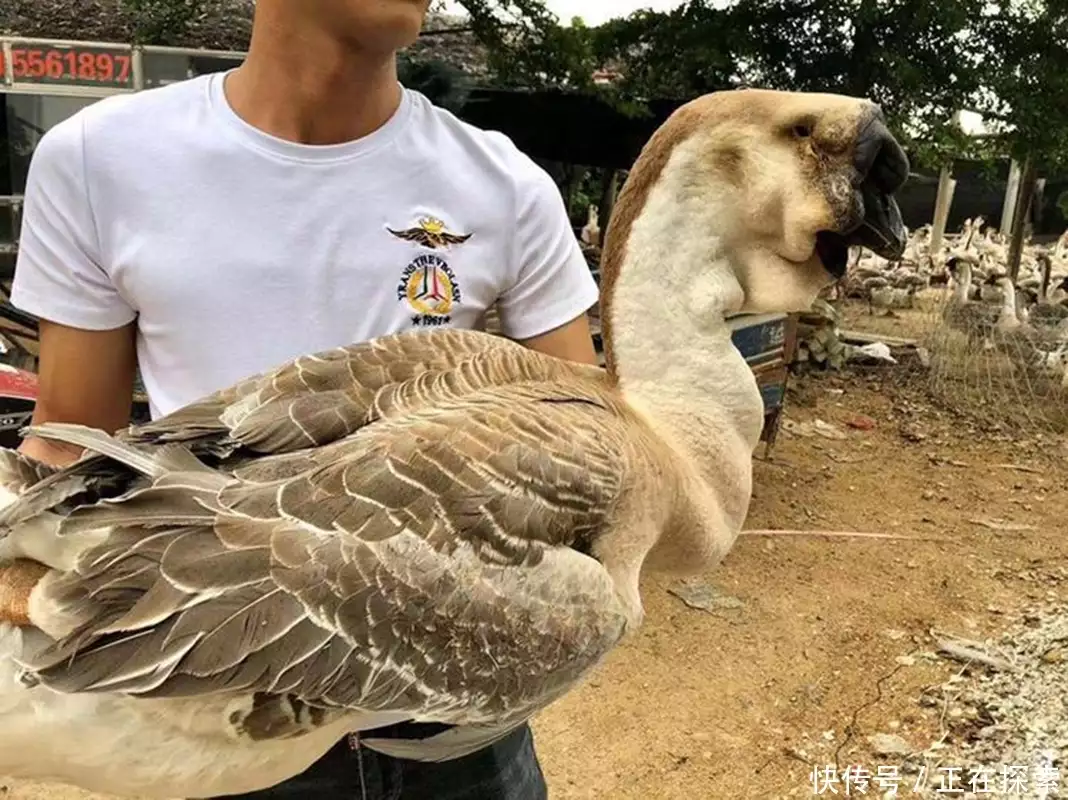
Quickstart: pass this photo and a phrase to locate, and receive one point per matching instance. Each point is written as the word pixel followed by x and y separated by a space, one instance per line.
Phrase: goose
pixel 973 317
pixel 1061 246
pixel 1044 312
pixel 888 298
pixel 439 526
pixel 990 290
pixel 1059 294
pixel 591 231
pixel 1008 316
pixel 1041 347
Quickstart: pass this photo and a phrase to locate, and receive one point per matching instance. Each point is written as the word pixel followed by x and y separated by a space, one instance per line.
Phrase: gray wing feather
pixel 457 742
pixel 430 573
pixel 318 399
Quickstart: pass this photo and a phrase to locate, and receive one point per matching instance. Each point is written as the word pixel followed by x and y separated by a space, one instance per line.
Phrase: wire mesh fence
pixel 949 320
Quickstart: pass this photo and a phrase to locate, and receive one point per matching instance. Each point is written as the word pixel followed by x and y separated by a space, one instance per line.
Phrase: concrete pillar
pixel 946 187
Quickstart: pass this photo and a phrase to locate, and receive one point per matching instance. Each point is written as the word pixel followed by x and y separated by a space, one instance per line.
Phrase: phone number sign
pixel 29 62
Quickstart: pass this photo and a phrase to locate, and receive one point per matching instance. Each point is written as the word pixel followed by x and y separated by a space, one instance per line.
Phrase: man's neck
pixel 337 95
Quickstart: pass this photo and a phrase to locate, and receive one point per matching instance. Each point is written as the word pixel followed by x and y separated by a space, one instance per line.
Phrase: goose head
pixel 748 201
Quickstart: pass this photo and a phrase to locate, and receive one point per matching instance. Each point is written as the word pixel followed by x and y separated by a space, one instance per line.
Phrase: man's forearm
pixel 57 454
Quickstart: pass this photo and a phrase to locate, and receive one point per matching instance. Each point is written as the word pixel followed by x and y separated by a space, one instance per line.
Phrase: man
pixel 217 227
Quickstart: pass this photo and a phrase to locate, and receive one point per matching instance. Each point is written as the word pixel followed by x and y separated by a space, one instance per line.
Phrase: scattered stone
pixel 827 430
pixel 1054 656
pixel 705 597
pixel 910 432
pixel 1012 717
pixel 861 423
pixel 889 744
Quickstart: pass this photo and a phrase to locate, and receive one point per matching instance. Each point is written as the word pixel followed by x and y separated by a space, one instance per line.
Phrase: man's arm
pixel 87 357
pixel 552 287
pixel 85 377
pixel 572 340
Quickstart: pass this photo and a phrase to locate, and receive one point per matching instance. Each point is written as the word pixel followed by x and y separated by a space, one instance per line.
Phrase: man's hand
pixel 572 341
pixel 84 377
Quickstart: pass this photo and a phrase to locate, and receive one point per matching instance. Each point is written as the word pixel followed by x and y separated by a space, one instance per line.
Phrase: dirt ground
pixel 740 702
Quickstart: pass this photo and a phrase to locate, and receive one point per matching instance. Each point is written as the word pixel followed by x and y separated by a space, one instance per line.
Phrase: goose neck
pixel 964 282
pixel 1009 318
pixel 1044 274
pixel 674 358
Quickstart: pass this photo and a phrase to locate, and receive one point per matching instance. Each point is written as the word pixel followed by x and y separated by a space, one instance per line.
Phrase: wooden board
pixel 861 337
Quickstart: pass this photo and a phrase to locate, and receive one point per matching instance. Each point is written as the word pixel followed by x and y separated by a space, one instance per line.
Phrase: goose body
pixel 434 527
pixel 1047 312
pixel 1041 347
pixel 974 317
pixel 219 541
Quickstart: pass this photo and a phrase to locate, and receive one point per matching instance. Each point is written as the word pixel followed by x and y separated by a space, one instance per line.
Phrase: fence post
pixel 1019 222
pixel 946 187
pixel 1012 188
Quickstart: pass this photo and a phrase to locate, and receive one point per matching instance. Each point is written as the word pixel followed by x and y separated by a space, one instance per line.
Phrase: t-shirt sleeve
pixel 553 283
pixel 58 273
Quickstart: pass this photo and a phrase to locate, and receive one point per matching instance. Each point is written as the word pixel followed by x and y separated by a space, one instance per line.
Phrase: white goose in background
pixel 972 316
pixel 1042 346
pixel 440 526
pixel 1059 293
pixel 591 231
pixel 1046 312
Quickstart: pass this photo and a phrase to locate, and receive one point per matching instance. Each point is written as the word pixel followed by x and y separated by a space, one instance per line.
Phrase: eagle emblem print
pixel 428 285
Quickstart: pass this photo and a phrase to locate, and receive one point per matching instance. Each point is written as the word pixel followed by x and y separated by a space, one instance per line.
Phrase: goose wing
pixel 438 572
pixel 318 399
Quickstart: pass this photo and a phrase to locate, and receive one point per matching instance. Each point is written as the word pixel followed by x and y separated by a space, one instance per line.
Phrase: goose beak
pixel 884 168
pixel 875 221
pixel 881 230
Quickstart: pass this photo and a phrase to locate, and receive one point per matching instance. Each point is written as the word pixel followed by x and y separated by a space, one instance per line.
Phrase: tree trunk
pixel 609 187
pixel 861 68
pixel 575 174
pixel 1028 180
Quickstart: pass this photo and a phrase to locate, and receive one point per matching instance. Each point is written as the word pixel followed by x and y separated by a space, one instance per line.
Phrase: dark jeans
pixel 507 770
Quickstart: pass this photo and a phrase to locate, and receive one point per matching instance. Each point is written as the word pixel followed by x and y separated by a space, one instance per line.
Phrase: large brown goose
pixel 441 526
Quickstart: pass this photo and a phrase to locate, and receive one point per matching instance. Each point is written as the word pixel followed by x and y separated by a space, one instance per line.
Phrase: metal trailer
pixel 768 343
pixel 42 82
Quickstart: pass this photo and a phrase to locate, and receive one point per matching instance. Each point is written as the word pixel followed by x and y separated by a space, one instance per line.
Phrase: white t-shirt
pixel 237 251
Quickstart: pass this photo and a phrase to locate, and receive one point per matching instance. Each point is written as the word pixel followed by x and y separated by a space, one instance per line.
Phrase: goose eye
pixel 802 131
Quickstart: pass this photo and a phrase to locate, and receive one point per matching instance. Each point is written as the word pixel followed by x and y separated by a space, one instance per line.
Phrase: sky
pixel 594 12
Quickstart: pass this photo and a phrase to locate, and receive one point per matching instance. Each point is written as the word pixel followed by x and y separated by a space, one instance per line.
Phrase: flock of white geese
pixel 438 526
pixel 1026 317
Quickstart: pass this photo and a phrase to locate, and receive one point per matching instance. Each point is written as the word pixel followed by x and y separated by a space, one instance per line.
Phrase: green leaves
pixel 921 60
pixel 158 21
pixel 1025 60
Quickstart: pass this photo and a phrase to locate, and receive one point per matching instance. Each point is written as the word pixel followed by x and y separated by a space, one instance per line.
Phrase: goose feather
pixel 212 582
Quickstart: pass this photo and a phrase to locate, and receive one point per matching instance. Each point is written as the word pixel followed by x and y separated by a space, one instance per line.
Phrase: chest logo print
pixel 430 232
pixel 429 287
